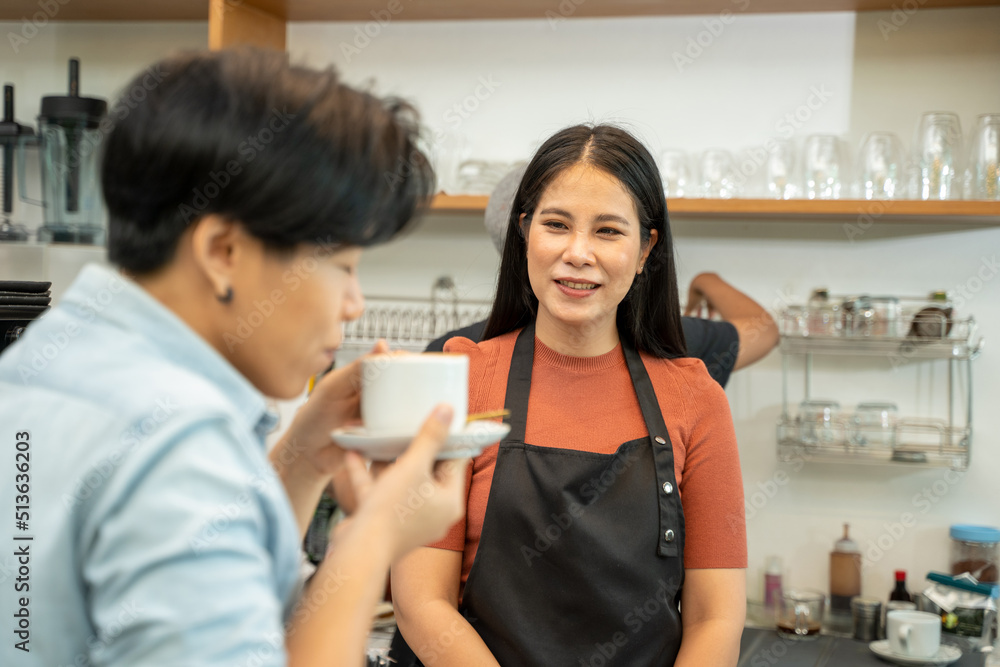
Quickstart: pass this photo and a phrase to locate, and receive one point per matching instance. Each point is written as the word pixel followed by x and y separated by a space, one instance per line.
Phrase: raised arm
pixel 425 587
pixel 709 294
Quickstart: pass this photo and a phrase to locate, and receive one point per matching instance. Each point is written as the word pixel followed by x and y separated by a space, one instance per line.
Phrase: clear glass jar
pixel 974 549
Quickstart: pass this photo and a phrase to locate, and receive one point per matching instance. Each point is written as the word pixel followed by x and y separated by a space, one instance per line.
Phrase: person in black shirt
pixel 745 334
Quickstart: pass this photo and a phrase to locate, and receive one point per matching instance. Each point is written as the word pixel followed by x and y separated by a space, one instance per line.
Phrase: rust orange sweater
pixel 589 404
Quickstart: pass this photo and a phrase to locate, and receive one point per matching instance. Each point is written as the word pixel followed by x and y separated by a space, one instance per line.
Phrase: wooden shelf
pixel 838 210
pixel 428 10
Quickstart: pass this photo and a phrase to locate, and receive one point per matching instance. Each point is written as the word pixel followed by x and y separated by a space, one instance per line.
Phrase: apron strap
pixel 519 382
pixel 671 539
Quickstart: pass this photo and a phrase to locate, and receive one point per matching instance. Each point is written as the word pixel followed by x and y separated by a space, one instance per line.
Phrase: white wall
pixel 735 94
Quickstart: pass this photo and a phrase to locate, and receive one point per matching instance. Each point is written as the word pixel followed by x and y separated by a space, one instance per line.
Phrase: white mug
pixel 915 634
pixel 399 391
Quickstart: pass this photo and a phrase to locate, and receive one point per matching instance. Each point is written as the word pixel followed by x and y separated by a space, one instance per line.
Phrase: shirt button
pixel 660 440
pixel 669 536
pixel 668 488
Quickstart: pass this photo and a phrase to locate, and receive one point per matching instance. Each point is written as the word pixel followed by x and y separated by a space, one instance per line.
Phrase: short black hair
pixel 649 316
pixel 290 153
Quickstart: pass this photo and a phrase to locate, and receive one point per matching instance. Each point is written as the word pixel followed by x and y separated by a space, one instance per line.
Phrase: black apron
pixel 580 561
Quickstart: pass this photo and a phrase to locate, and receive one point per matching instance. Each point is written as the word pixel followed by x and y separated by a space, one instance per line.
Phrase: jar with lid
pixel 824 315
pixel 974 549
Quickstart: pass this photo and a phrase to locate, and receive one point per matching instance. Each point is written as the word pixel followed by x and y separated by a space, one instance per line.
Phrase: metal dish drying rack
pixel 409 323
pixel 922 442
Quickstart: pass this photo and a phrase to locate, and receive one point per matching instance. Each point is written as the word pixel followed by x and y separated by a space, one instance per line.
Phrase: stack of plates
pixel 20 302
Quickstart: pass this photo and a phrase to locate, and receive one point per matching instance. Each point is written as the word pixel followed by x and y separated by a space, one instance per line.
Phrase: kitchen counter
pixel 765 648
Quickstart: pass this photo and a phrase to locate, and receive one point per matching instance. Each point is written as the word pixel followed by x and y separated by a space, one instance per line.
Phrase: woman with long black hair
pixel 616 501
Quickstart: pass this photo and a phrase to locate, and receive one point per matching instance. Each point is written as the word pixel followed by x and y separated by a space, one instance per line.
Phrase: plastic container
pixel 772 582
pixel 974 549
pixel 845 573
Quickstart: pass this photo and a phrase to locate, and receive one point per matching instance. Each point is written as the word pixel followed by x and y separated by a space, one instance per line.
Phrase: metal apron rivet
pixel 669 536
pixel 668 488
pixel 660 440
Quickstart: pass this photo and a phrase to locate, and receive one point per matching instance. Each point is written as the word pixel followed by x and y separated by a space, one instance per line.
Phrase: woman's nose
pixel 354 301
pixel 579 250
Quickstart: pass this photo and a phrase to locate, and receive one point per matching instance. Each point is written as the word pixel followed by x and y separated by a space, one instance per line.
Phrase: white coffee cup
pixel 915 634
pixel 399 391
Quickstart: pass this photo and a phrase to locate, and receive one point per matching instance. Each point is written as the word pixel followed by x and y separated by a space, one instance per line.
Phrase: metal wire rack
pixel 411 323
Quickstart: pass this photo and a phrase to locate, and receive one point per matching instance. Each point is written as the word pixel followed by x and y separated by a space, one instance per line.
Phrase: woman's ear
pixel 653 238
pixel 216 248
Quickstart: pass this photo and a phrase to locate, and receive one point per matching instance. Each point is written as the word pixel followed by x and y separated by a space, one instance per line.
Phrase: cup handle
pixel 801 619
pixel 904 637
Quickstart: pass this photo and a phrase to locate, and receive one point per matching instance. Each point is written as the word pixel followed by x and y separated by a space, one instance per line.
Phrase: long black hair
pixel 649 316
pixel 290 153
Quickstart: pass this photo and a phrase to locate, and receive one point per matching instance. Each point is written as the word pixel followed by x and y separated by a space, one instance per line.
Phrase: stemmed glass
pixel 938 155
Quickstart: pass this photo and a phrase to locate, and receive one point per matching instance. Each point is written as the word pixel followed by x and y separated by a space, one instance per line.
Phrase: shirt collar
pixel 101 294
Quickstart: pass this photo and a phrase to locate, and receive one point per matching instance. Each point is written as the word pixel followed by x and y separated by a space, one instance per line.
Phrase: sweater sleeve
pixel 712 484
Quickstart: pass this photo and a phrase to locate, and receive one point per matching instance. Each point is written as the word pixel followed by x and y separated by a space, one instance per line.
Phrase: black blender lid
pixel 62 107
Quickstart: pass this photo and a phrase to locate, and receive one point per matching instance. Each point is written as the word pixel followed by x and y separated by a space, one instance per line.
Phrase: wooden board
pixel 422 10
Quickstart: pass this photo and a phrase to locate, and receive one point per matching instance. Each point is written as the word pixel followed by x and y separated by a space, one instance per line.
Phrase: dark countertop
pixel 765 648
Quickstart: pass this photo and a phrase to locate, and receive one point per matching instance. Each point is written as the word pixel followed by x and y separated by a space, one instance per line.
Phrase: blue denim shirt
pixel 159 532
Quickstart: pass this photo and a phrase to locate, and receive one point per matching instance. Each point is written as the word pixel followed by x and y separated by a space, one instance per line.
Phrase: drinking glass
pixel 781 178
pixel 718 174
pixel 938 153
pixel 984 158
pixel 822 167
pixel 800 614
pixel 880 167
pixel 675 173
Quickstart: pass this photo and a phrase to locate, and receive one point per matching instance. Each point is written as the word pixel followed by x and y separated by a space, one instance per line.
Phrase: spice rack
pixel 840 437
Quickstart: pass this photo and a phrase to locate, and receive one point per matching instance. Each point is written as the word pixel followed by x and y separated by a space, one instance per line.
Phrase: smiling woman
pixel 618 491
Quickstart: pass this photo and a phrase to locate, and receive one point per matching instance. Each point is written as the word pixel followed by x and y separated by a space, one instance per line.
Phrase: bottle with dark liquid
pixel 899 592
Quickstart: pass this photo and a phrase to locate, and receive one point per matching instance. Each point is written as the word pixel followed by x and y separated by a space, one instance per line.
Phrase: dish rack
pixel 906 335
pixel 409 323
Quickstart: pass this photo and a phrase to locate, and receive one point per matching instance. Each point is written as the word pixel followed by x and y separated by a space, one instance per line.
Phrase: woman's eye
pixel 609 231
pixel 555 224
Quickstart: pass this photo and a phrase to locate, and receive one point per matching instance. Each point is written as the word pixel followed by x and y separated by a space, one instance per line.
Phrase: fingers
pixel 358 477
pixel 433 434
pixel 380 347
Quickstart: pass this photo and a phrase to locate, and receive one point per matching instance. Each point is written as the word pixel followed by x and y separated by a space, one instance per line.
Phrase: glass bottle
pixel 899 592
pixel 845 573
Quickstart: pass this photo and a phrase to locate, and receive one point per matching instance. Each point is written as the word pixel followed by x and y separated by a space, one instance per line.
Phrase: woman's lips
pixel 573 288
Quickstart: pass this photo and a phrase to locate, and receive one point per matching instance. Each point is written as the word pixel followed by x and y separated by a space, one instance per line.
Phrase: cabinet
pixel 807 433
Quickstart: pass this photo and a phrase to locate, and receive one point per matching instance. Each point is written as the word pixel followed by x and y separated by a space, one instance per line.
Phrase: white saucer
pixel 945 655
pixel 476 437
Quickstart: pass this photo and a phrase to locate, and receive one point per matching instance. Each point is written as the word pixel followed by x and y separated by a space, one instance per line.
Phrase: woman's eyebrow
pixel 603 217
